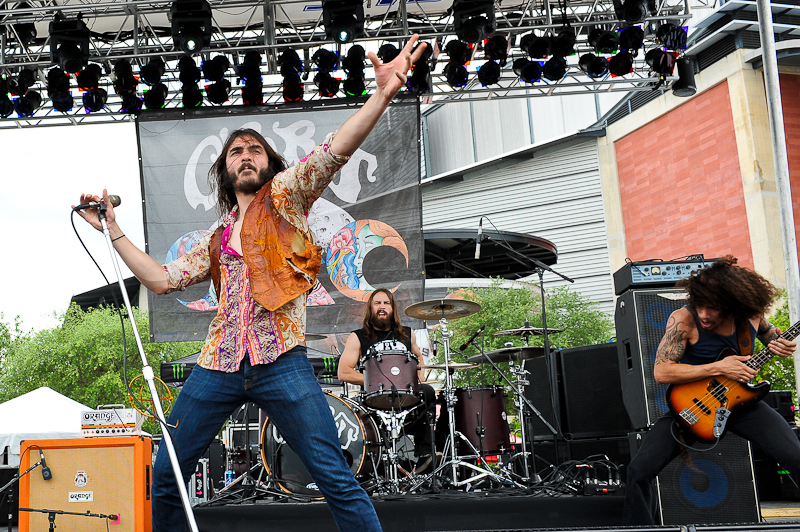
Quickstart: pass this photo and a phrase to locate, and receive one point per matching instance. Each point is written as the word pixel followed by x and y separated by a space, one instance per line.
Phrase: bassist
pixel 719 298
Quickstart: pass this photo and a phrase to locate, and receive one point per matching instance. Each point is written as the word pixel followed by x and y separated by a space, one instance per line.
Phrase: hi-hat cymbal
pixel 453 365
pixel 527 331
pixel 507 354
pixel 311 337
pixel 442 308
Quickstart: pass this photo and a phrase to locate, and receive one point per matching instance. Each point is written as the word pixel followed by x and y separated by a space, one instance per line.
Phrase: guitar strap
pixel 745 339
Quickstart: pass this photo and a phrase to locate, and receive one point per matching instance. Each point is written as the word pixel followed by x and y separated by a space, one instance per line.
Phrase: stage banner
pixel 368 221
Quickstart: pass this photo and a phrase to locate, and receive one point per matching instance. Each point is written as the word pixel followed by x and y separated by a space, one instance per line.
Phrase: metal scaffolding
pixel 139 30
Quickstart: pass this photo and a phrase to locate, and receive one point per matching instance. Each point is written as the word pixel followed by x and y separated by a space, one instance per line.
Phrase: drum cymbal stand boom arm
pixel 149 377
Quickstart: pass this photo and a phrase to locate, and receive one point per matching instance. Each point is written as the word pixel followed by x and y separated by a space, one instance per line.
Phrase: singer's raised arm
pixel 149 272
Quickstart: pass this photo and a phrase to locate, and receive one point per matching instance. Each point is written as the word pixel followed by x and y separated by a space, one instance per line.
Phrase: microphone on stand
pixel 478 239
pixel 472 338
pixel 46 473
pixel 115 202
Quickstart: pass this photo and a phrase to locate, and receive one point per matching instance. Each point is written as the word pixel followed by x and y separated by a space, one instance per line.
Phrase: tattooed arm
pixel 680 332
pixel 769 336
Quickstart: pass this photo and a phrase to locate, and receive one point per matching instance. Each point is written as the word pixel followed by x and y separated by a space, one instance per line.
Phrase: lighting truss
pixel 139 30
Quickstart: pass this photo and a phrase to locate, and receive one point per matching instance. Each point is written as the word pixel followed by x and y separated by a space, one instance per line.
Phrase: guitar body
pixel 695 404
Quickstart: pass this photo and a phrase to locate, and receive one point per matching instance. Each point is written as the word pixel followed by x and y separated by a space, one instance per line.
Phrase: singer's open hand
pixel 91 216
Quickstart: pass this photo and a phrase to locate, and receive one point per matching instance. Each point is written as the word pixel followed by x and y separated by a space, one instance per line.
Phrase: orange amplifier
pixel 101 476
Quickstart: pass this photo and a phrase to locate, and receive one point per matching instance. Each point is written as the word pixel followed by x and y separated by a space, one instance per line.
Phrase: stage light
pixel 685 86
pixel 94 100
pixel 6 107
pixel 25 80
pixel 69 43
pixel 250 73
pixel 671 36
pixel 151 73
pixel 563 44
pixel 353 65
pixel 58 90
pixel 326 62
pixel 604 42
pixel 290 67
pixel 489 73
pixel 214 69
pixel 593 66
pixel 26 32
pixel 387 52
pixel 634 11
pixel 473 20
pixel 554 69
pixel 419 82
pixel 631 39
pixel 343 19
pixel 661 62
pixel 191 25
pixel 27 104
pixel 156 97
pixel 535 47
pixel 454 71
pixel 218 92
pixel 621 64
pixel 189 76
pixel 89 77
pixel 496 49
pixel 131 104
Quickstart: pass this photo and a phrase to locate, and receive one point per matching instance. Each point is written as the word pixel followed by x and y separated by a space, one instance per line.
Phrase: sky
pixel 45 170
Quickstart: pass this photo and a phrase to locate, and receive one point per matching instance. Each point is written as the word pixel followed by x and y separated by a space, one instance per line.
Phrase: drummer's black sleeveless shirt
pixel 366 343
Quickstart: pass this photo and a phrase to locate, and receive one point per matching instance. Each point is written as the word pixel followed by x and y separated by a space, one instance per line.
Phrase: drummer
pixel 382 323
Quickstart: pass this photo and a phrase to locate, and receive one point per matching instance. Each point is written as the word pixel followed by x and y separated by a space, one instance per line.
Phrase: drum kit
pixel 472 426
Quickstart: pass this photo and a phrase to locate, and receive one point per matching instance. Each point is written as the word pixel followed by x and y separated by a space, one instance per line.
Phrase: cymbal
pixel 311 337
pixel 442 308
pixel 508 353
pixel 453 365
pixel 527 331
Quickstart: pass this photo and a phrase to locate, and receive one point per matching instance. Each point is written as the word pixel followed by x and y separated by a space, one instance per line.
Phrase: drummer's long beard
pixel 381 323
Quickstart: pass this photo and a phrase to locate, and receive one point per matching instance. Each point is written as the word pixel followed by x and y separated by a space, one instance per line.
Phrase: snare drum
pixel 390 377
pixel 480 415
pixel 358 436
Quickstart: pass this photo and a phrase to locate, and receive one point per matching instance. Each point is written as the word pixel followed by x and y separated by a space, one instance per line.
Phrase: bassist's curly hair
pixel 732 289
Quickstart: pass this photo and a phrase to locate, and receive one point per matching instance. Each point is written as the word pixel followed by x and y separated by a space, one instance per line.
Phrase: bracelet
pixel 115 239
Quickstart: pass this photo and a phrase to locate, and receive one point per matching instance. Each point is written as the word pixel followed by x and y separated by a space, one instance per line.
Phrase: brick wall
pixel 790 97
pixel 681 186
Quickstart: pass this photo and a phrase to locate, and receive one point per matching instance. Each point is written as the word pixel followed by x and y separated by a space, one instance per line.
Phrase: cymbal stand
pixel 393 421
pixel 455 460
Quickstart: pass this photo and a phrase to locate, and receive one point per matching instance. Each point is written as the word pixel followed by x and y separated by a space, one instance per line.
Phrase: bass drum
pixel 358 436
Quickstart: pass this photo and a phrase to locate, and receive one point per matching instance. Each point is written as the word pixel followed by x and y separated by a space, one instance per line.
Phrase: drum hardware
pixel 393 423
pixel 453 366
pixel 526 330
pixel 442 310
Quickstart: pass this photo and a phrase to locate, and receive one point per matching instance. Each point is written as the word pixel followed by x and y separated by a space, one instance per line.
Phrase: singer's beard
pixel 247 186
pixel 381 323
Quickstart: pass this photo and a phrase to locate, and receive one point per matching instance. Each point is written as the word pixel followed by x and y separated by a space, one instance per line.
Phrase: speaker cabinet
pixel 9 501
pixel 717 487
pixel 96 475
pixel 641 319
pixel 593 405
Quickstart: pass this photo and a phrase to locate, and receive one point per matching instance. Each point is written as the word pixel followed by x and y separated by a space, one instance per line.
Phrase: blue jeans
pixel 288 392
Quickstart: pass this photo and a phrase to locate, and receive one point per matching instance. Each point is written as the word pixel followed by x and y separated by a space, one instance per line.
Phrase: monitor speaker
pixel 641 319
pixel 109 476
pixel 716 486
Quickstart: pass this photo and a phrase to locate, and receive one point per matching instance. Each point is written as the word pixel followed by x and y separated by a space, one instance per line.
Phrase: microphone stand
pixel 10 498
pixel 149 377
pixel 540 267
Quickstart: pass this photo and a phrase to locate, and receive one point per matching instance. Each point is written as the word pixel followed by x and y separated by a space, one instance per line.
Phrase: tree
pixel 504 308
pixel 83 359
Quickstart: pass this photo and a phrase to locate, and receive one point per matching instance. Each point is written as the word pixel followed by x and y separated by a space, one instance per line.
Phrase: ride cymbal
pixel 527 331
pixel 507 354
pixel 436 309
pixel 453 365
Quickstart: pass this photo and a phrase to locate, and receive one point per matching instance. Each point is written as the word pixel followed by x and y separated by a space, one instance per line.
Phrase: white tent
pixel 42 414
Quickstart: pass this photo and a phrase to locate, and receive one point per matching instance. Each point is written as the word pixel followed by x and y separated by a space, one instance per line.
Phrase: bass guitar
pixel 702 407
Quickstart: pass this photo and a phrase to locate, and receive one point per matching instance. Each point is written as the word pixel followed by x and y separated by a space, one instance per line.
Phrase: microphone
pixel 472 338
pixel 46 473
pixel 478 240
pixel 115 201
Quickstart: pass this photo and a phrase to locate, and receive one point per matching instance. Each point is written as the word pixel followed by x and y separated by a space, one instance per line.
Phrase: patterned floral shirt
pixel 242 325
